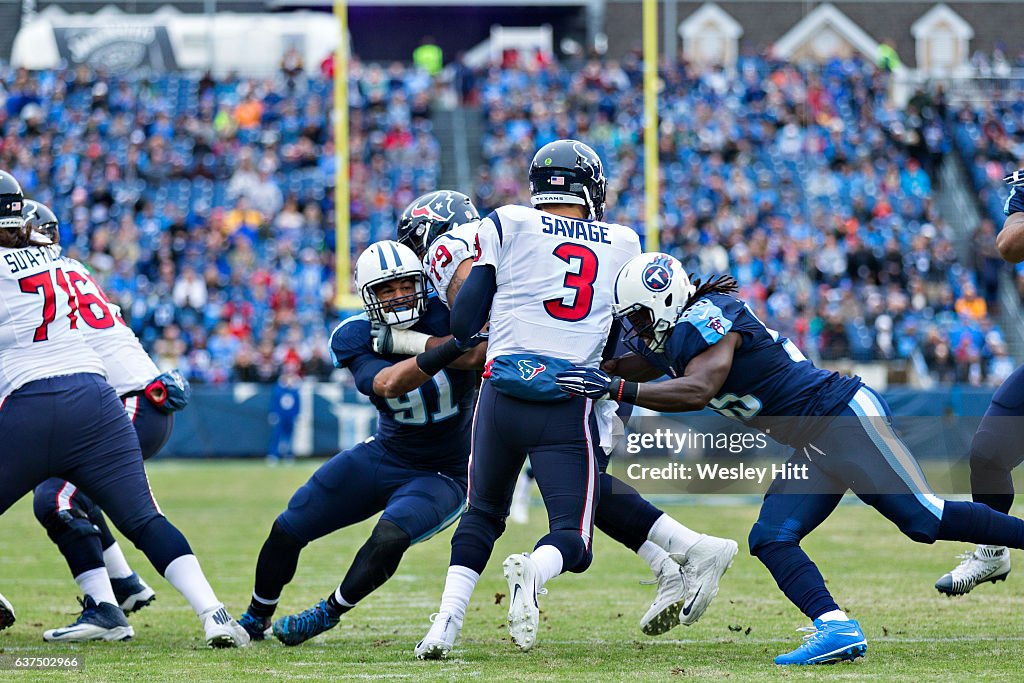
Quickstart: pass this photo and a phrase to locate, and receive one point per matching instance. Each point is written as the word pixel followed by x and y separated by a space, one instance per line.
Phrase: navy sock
pixel 798 577
pixel 474 539
pixel 275 568
pixel 624 514
pixel 978 523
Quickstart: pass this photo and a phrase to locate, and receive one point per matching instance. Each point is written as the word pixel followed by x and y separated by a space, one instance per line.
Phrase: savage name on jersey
pixel 771 385
pixel 535 310
pixel 429 427
pixel 39 320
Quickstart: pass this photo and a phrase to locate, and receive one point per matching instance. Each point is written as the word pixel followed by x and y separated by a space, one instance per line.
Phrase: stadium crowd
pixel 206 205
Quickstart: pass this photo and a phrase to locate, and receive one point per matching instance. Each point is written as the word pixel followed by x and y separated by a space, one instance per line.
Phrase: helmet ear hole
pixel 668 299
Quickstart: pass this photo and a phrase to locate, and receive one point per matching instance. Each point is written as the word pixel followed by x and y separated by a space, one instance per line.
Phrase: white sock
pixel 672 536
pixel 548 561
pixel 96 584
pixel 834 615
pixel 338 596
pixel 185 574
pixel 117 565
pixel 653 555
pixel 458 589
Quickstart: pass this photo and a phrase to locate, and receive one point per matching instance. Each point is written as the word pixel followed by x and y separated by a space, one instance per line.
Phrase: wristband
pixel 432 361
pixel 626 392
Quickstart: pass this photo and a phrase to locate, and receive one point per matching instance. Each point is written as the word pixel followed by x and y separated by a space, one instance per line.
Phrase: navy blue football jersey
pixel 771 386
pixel 1015 202
pixel 429 427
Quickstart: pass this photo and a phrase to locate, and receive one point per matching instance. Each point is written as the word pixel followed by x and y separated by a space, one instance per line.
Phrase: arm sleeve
pixel 614 341
pixel 364 369
pixel 472 306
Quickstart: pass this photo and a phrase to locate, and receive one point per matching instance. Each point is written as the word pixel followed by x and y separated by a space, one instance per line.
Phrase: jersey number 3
pixel 584 262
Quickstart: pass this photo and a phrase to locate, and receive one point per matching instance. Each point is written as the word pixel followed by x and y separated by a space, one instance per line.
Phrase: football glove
pixel 475 340
pixel 169 392
pixel 587 382
pixel 387 341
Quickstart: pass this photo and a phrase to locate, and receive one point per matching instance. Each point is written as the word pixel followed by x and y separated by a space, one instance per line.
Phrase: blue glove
pixel 475 340
pixel 169 392
pixel 587 382
pixel 1015 202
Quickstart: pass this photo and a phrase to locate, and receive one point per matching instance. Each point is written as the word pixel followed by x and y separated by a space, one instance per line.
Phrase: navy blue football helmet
pixel 568 172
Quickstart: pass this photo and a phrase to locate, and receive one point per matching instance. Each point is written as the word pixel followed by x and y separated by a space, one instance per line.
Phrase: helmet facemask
pixel 400 311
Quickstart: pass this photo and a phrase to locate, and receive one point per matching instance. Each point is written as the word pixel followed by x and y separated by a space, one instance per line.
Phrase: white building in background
pixel 941 41
pixel 825 33
pixel 711 36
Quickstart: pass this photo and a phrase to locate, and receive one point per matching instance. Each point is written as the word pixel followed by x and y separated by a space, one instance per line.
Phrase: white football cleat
pixel 221 630
pixel 986 563
pixel 440 639
pixel 664 612
pixel 703 566
pixel 523 610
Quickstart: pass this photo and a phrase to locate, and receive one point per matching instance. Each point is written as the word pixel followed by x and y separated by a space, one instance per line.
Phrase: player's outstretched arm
pixel 701 381
pixel 1010 240
pixel 632 367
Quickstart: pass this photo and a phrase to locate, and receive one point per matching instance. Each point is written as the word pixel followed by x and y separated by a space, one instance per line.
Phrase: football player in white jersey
pixel 59 417
pixel 541 276
pixel 441 227
pixel 74 523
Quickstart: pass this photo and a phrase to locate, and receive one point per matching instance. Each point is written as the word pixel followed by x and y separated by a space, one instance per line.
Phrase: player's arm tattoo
pixel 458 278
pixel 701 381
pixel 1010 240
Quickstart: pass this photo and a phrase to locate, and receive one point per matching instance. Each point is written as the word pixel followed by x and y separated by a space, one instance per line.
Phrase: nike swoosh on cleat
pixel 686 610
pixel 515 592
pixel 852 635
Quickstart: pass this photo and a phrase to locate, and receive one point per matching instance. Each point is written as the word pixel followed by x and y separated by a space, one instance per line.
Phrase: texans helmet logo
pixel 530 369
pixel 438 207
pixel 658 274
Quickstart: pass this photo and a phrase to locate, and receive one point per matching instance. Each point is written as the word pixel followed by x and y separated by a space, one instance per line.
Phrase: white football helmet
pixel 651 292
pixel 382 262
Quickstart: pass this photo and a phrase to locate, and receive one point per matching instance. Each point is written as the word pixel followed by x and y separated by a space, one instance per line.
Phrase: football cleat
pixel 985 563
pixel 103 621
pixel 828 642
pixel 664 612
pixel 6 613
pixel 523 610
pixel 256 627
pixel 221 629
pixel 703 566
pixel 440 639
pixel 132 593
pixel 298 628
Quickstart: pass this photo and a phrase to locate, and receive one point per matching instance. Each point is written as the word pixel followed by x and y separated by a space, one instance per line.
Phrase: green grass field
pixel 589 622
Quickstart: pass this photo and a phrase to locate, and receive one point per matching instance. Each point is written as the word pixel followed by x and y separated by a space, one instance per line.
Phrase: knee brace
pixel 387 543
pixel 375 562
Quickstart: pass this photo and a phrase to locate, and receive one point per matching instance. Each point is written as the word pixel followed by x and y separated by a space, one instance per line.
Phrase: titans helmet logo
pixel 657 275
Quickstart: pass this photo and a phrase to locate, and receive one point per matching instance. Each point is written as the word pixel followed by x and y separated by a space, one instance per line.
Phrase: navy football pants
pixel 74 427
pixel 360 482
pixel 562 441
pixel 998 445
pixel 72 520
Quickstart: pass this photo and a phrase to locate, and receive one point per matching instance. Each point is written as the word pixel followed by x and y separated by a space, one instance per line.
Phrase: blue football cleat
pixel 98 621
pixel 827 643
pixel 132 593
pixel 298 628
pixel 256 627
